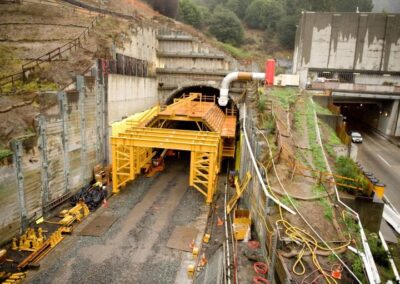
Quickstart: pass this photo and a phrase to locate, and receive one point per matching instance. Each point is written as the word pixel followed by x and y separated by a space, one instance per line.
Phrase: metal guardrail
pixel 48 57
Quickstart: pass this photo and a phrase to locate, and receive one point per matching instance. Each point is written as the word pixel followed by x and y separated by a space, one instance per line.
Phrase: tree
pixel 264 14
pixel 168 8
pixel 190 13
pixel 214 3
pixel 287 31
pixel 226 26
pixel 351 5
pixel 238 7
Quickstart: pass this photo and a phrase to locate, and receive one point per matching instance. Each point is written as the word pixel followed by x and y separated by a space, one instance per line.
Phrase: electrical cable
pixel 297 234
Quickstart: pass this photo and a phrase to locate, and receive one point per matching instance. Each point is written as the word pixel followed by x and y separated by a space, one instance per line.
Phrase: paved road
pixel 382 158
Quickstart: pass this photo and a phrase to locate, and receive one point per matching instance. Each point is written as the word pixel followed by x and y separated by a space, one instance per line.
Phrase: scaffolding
pixel 134 139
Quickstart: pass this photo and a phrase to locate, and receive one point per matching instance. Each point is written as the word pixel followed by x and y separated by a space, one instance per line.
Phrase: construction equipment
pixel 241 224
pixel 77 213
pixel 3 255
pixel 134 139
pixel 102 174
pixel 29 241
pixel 157 164
pixel 43 250
pixel 240 188
pixel 190 270
pixel 14 278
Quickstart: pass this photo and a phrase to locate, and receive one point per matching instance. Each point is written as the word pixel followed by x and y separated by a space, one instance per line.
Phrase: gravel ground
pixel 134 249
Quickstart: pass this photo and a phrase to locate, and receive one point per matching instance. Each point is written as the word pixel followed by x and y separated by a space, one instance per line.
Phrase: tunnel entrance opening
pixel 362 115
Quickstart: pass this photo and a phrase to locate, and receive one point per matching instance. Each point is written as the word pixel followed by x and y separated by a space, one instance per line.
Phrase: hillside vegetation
pixel 258 27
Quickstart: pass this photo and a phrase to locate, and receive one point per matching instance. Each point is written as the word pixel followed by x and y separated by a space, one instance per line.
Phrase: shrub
pixel 226 26
pixel 190 13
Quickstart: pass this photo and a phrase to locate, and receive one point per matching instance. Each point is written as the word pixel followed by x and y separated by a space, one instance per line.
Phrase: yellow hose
pixel 298 234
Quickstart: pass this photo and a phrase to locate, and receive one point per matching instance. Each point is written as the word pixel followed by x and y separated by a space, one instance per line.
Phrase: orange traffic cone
pixel 203 260
pixel 219 222
pixel 192 244
pixel 105 203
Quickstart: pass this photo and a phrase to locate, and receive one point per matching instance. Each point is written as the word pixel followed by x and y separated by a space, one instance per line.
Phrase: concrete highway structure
pixel 356 42
pixel 357 57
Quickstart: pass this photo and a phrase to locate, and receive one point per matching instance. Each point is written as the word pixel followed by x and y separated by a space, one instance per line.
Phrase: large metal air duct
pixel 236 76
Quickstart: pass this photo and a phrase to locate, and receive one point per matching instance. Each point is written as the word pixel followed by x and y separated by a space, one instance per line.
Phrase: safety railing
pixel 48 57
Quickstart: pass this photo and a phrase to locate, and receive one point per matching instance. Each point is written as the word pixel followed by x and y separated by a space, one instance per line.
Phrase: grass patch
pixel 287 200
pixel 316 151
pixel 356 266
pixel 236 52
pixel 4 152
pixel 381 258
pixel 318 190
pixel 298 118
pixel 269 124
pixel 32 86
pixel 320 109
pixel 262 100
pixel 328 211
pixel 285 96
pixel 331 141
pixel 346 167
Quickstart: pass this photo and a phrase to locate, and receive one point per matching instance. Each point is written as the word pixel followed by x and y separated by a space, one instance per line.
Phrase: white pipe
pixel 392 264
pixel 364 259
pixel 236 76
pixel 368 260
pixel 258 171
pixel 391 217
pixel 227 238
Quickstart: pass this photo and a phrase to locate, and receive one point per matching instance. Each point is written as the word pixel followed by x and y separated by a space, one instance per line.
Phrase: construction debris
pixel 93 196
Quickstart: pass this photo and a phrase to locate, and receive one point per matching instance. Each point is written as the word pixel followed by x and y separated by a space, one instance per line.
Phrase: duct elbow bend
pixel 223 97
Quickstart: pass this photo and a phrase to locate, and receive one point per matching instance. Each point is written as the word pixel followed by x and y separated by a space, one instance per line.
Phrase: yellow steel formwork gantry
pixel 132 142
pixel 131 151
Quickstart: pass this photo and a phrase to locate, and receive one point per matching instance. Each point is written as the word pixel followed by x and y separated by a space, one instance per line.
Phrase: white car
pixel 356 137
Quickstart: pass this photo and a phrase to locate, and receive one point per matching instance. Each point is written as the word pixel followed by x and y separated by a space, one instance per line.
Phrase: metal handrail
pixel 48 57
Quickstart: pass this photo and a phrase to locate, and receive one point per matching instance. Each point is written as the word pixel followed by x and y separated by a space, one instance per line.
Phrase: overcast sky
pixel 387 5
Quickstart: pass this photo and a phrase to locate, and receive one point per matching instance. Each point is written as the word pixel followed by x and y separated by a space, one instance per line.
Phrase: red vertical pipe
pixel 269 72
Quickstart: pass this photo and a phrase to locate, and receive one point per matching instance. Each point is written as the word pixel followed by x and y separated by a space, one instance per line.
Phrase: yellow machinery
pixel 29 241
pixel 239 191
pixel 241 224
pixel 76 213
pixel 134 138
pixel 38 254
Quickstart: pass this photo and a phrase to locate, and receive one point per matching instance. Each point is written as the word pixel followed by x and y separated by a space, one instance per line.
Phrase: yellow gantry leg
pixel 203 173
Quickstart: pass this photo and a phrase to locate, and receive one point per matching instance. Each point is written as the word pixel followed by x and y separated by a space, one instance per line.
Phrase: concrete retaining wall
pixel 71 138
pixel 55 162
pixel 197 63
pixel 128 95
pixel 348 41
